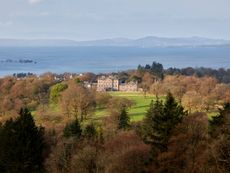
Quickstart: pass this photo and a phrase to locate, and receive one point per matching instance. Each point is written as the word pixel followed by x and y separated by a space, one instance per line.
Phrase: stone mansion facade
pixel 112 83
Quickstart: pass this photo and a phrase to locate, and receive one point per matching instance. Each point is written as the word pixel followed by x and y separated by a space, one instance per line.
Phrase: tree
pixel 73 129
pixel 90 131
pixel 155 109
pixel 157 70
pixel 156 88
pixel 88 77
pixel 160 121
pixel 125 153
pixel 220 131
pixel 218 123
pixel 21 145
pixel 102 99
pixel 55 92
pixel 78 101
pixel 147 80
pixel 123 119
pixel 86 160
pixel 116 104
pixel 187 148
pixel 192 101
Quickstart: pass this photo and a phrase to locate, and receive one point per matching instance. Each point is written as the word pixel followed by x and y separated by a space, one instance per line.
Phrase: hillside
pixel 150 41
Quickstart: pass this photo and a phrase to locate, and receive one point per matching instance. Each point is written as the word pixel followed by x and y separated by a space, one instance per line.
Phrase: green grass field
pixel 136 112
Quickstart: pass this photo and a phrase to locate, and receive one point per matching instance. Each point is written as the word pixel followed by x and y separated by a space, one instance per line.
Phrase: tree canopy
pixel 21 145
pixel 160 120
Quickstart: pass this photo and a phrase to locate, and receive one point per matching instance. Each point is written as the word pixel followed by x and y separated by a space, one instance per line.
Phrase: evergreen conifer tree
pixel 217 122
pixel 155 110
pixel 73 129
pixel 124 120
pixel 21 145
pixel 220 132
pixel 90 131
pixel 160 121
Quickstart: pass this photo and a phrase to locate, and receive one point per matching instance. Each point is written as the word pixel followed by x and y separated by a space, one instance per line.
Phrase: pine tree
pixel 220 132
pixel 90 131
pixel 155 110
pixel 73 129
pixel 124 120
pixel 160 120
pixel 21 145
pixel 216 123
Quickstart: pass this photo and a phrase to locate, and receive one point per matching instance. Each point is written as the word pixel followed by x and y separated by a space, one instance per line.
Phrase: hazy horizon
pixel 83 20
pixel 111 38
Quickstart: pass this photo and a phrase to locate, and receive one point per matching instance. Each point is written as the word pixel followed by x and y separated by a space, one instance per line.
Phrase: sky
pixel 99 19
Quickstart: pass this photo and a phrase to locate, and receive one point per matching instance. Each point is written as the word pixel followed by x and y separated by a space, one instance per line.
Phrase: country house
pixel 112 83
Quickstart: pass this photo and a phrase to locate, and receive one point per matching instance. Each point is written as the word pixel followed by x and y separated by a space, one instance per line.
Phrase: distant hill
pixel 142 42
pixel 35 42
pixel 156 42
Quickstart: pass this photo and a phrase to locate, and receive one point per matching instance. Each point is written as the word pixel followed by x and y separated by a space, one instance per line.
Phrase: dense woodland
pixel 49 126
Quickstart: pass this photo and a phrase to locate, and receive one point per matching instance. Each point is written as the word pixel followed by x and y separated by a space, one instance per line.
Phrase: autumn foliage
pixel 175 136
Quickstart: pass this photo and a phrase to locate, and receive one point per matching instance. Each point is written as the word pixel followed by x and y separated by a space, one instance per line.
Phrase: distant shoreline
pixel 107 59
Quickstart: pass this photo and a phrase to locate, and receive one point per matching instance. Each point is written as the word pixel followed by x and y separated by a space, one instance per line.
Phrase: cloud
pixel 44 13
pixel 34 1
pixel 5 24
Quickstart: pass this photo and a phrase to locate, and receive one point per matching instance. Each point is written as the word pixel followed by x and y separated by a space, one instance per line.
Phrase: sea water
pixel 39 60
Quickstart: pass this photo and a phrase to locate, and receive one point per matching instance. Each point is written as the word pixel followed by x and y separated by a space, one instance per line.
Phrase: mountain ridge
pixel 149 41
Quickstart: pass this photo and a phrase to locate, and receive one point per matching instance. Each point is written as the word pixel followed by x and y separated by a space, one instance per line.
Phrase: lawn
pixel 137 111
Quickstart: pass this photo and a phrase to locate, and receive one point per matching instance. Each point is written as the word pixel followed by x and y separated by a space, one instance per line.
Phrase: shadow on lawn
pixel 137 114
pixel 144 106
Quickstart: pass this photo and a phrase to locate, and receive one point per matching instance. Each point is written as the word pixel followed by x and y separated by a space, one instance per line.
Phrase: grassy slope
pixel 138 111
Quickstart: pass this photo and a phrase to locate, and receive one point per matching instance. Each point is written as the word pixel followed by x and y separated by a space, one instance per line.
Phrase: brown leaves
pixel 126 153
pixel 187 147
pixel 77 101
